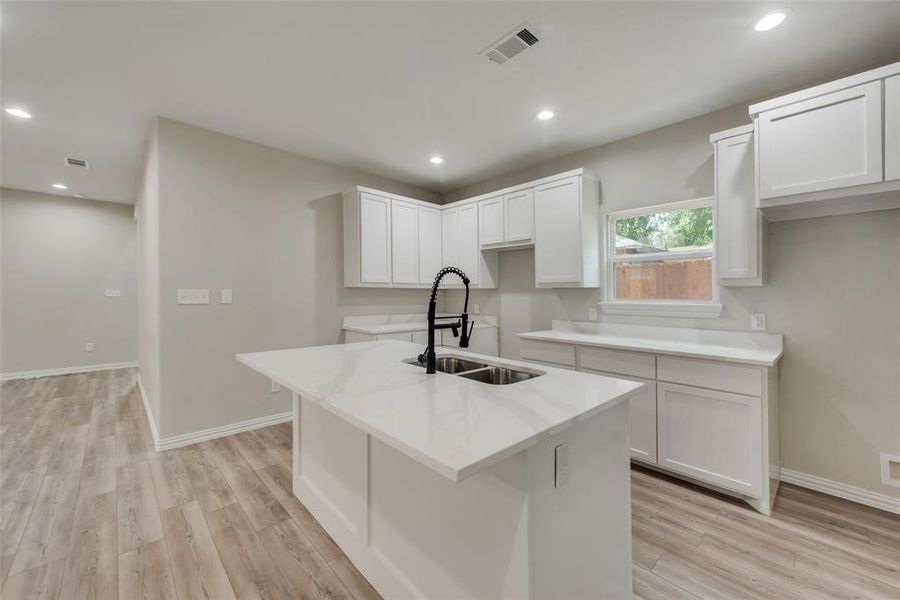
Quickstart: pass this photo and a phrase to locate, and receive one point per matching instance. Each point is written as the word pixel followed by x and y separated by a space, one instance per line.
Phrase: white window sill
pixel 694 310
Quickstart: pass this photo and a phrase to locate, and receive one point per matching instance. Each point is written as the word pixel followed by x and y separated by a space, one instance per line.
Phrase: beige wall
pixel 146 213
pixel 834 293
pixel 267 224
pixel 58 256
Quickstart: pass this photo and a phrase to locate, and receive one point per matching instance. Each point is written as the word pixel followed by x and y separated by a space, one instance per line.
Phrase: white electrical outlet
pixel 592 313
pixel 226 296
pixel 113 293
pixel 757 322
pixel 274 386
pixel 89 347
pixel 476 309
pixel 890 469
pixel 561 465
pixel 193 296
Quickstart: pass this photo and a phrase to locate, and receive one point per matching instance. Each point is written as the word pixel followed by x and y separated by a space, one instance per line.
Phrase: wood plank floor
pixel 89 510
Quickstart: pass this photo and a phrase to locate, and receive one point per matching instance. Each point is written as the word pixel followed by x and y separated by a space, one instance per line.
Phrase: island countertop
pixel 453 425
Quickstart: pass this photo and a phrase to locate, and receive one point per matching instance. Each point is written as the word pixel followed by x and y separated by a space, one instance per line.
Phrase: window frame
pixel 711 308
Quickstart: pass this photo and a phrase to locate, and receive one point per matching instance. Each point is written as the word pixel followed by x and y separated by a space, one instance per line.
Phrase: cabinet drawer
pixel 548 352
pixel 620 362
pixel 717 376
pixel 712 436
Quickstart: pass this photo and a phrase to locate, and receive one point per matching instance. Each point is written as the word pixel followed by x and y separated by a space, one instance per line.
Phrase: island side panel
pixel 450 540
pixel 581 531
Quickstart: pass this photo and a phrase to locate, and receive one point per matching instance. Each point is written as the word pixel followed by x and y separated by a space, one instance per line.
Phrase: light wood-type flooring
pixel 89 510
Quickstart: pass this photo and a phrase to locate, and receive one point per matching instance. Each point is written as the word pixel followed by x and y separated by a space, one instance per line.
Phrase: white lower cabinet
pixel 710 421
pixel 710 435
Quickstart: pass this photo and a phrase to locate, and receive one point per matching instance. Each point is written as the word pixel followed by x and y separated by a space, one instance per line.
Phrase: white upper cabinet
pixel 567 233
pixel 831 149
pixel 892 128
pixel 367 239
pixel 491 221
pixel 450 237
pixel 739 225
pixel 404 243
pixel 430 243
pixel 518 221
pixel 827 142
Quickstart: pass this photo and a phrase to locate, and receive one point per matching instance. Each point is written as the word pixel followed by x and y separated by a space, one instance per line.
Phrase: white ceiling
pixel 382 86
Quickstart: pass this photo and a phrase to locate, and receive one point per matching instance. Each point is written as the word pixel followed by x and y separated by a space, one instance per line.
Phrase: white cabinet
pixel 892 128
pixel 460 247
pixel 450 255
pixel 404 243
pixel 518 219
pixel 367 239
pixel 430 236
pixel 830 141
pixel 712 436
pixel 739 224
pixel 490 216
pixel 566 233
pixel 831 149
pixel 507 220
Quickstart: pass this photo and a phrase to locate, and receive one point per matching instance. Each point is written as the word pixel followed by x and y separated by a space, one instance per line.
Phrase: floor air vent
pixel 520 39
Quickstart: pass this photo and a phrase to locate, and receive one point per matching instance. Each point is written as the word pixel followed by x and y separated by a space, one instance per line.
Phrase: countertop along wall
pixel 267 224
pixel 59 254
pixel 833 291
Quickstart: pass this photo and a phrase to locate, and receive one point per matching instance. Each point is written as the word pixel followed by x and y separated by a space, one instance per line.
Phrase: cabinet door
pixel 469 248
pixel 737 219
pixel 491 220
pixel 642 416
pixel 450 237
pixel 829 142
pixel 518 212
pixel 429 233
pixel 712 436
pixel 375 239
pixel 557 229
pixel 892 128
pixel 404 243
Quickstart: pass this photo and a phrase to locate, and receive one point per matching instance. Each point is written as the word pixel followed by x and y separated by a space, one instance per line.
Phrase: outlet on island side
pixel 757 322
pixel 561 465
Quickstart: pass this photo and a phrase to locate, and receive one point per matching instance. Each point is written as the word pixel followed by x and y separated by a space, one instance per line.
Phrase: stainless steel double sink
pixel 479 371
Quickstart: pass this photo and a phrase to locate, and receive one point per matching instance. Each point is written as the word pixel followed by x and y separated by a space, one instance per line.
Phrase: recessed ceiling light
pixel 436 160
pixel 770 21
pixel 18 112
pixel 78 195
pixel 545 115
pixel 60 186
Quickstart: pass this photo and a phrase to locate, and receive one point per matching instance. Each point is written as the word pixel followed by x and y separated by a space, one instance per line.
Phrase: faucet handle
pixel 455 330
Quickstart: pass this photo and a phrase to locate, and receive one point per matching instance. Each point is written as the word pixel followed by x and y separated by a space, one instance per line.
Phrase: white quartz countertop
pixel 739 347
pixel 453 425
pixel 406 323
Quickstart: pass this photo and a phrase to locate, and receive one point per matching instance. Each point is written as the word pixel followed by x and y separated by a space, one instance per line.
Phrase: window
pixel 660 261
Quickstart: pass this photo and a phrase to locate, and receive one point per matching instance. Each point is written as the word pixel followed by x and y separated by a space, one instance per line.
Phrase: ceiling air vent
pixel 519 39
pixel 77 162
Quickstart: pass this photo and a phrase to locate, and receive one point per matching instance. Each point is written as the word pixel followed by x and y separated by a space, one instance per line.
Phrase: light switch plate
pixel 113 293
pixel 89 347
pixel 757 322
pixel 193 296
pixel 561 465
pixel 226 296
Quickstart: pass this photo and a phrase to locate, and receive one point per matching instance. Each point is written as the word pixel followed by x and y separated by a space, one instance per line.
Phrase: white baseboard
pixel 212 433
pixel 66 370
pixel 842 490
pixel 153 430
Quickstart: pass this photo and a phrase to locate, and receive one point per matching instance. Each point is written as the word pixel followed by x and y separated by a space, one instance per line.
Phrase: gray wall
pixel 834 293
pixel 266 223
pixel 59 254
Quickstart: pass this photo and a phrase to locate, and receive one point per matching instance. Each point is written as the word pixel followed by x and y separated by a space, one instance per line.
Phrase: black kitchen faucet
pixel 459 328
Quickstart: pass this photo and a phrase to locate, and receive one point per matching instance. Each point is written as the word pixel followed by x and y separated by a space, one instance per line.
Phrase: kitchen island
pixel 444 486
